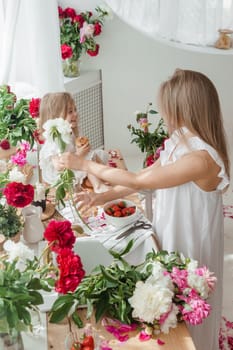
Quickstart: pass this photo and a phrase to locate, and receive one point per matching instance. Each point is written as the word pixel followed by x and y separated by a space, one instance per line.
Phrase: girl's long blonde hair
pixel 190 99
pixel 55 105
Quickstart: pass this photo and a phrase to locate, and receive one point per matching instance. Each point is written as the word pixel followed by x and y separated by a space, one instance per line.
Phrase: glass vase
pixel 11 341
pixel 71 68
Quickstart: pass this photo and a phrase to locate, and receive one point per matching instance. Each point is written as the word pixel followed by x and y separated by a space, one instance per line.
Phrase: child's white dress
pixel 48 150
pixel 190 220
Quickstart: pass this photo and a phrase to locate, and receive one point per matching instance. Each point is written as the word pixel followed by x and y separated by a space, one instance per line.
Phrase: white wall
pixel 133 66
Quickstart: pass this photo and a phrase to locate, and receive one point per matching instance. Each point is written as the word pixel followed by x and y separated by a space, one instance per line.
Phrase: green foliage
pixel 107 289
pixel 20 292
pixel 10 221
pixel 16 124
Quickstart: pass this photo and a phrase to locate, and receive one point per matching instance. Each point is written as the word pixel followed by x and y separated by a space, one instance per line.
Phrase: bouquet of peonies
pixel 149 142
pixel 176 288
pixel 78 31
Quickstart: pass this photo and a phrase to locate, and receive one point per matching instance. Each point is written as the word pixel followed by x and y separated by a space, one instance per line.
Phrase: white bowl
pixel 122 220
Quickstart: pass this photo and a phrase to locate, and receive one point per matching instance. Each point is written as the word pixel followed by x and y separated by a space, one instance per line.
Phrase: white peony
pixel 150 301
pixel 17 176
pixel 158 276
pixel 171 320
pixel 20 251
pixel 60 125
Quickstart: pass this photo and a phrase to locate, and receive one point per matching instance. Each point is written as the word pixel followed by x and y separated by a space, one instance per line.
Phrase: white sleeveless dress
pixel 190 220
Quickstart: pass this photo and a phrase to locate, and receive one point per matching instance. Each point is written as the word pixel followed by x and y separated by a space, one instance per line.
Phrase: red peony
pixel 66 51
pixel 18 194
pixel 97 28
pixel 71 271
pixel 79 19
pixel 5 144
pixel 34 107
pixel 60 235
pixel 60 12
pixel 95 52
pixel 70 12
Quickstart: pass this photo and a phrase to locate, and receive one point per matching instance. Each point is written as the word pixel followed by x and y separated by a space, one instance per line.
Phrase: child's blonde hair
pixel 190 99
pixel 55 105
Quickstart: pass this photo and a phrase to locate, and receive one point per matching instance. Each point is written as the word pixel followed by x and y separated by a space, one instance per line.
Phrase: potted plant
pixel 10 222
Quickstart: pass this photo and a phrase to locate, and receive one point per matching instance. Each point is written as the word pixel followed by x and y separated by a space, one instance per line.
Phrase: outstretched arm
pixel 94 199
pixel 192 167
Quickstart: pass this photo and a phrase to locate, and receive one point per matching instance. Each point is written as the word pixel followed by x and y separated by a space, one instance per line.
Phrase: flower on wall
pixel 78 31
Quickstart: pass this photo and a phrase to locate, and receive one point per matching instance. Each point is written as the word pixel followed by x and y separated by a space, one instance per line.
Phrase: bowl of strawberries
pixel 120 212
pixel 83 339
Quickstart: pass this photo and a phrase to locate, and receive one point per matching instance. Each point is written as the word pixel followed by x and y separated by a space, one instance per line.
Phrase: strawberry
pixel 109 212
pixel 117 213
pixel 115 207
pixel 121 204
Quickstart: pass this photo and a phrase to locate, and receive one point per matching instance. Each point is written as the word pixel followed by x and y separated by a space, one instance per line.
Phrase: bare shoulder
pixel 201 158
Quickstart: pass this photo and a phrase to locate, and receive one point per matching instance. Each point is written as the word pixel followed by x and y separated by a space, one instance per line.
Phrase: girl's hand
pixel 56 163
pixel 88 199
pixel 70 160
pixel 83 150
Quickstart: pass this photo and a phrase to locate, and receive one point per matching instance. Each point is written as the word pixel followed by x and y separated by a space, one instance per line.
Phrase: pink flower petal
pixel 160 342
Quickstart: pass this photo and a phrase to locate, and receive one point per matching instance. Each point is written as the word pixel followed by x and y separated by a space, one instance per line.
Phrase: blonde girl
pixel 189 179
pixel 62 104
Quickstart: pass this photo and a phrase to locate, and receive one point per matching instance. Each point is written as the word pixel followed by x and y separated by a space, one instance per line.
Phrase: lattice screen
pixel 90 108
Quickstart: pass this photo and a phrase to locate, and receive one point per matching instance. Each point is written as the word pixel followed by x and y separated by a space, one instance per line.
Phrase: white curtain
pixel 185 21
pixel 30 58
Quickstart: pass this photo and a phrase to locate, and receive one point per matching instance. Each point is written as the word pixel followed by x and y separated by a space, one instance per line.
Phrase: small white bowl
pixel 122 220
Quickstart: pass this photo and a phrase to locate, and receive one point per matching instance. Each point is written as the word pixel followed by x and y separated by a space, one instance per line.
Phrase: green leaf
pixel 77 320
pixel 61 313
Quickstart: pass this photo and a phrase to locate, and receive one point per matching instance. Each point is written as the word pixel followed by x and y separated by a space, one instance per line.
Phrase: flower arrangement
pixel 176 287
pixel 17 118
pixel 149 142
pixel 77 35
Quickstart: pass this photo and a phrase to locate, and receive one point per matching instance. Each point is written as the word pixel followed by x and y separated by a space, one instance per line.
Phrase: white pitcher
pixel 33 230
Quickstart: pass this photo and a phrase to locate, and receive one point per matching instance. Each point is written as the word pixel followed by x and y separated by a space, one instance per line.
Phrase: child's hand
pixel 83 150
pixel 56 163
pixel 88 199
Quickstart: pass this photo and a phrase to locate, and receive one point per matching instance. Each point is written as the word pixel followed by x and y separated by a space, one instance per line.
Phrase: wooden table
pixel 177 339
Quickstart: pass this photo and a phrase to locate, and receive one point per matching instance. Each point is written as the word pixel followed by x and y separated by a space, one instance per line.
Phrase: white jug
pixel 33 230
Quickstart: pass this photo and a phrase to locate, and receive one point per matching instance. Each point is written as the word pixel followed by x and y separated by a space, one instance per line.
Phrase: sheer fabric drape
pixel 30 48
pixel 190 22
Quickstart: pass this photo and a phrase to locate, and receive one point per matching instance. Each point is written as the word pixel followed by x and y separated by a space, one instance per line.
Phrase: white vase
pixel 33 230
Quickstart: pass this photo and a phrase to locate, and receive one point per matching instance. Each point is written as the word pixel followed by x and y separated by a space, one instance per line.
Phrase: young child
pixel 61 104
pixel 189 178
